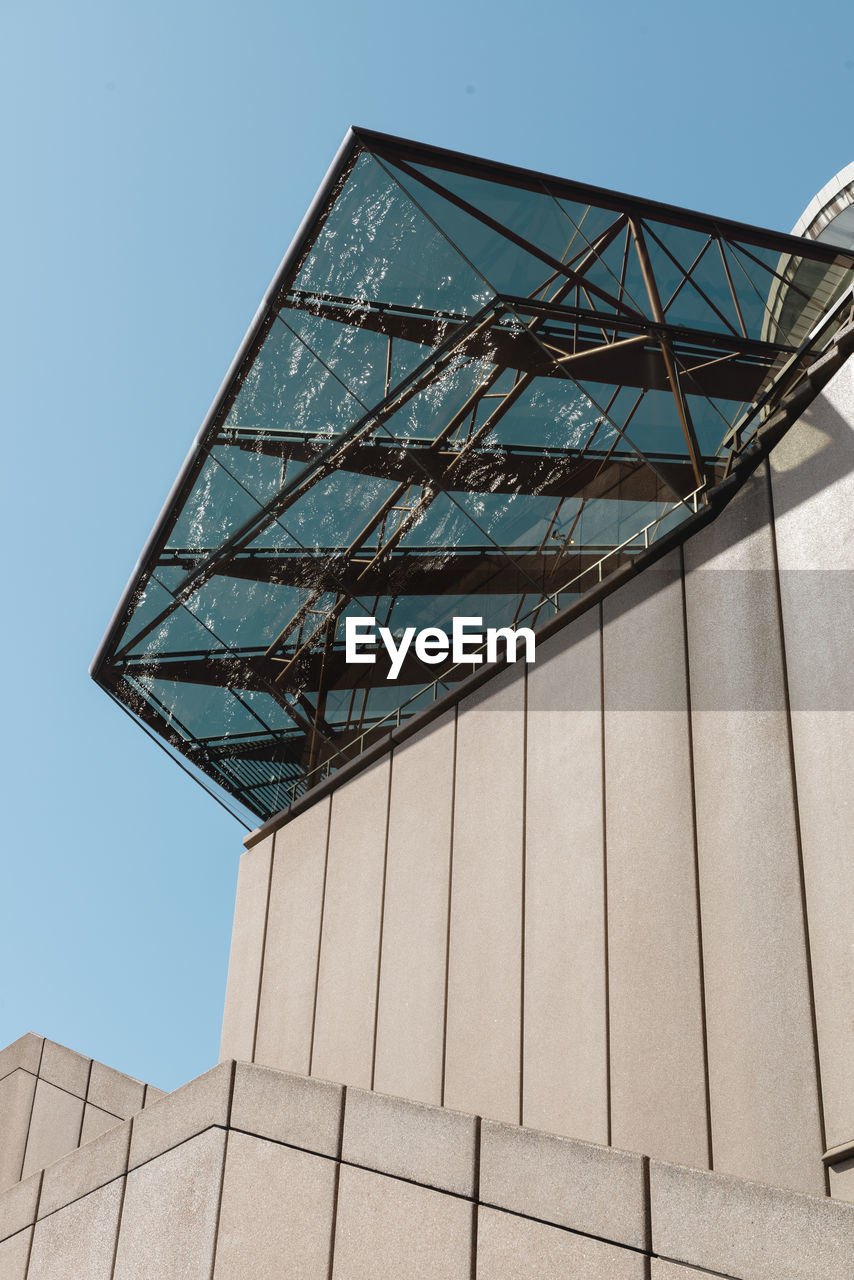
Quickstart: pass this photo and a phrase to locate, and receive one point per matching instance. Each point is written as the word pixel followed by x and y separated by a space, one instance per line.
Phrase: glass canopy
pixel 471 390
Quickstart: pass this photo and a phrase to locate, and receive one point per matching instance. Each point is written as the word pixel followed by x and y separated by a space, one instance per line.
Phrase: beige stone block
pixel 483 1046
pixel 841 1178
pixel 85 1169
pixel 96 1121
pixel 565 1026
pixel 80 1240
pixel 277 1212
pixel 54 1128
pixel 247 951
pixel 14 1254
pixel 289 980
pixel 170 1213
pixel 115 1092
pixel 17 1091
pixel 298 1110
pixel 513 1248
pixel 153 1094
pixel 65 1068
pixel 661 1269
pixel 658 1070
pixel 813 487
pixel 762 1071
pixel 411 1008
pixel 597 1190
pixel 23 1054
pixel 747 1229
pixel 388 1229
pixel 191 1109
pixel 350 942
pixel 18 1206
pixel 409 1140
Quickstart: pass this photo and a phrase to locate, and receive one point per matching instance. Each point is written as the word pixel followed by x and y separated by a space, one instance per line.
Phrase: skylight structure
pixel 471 390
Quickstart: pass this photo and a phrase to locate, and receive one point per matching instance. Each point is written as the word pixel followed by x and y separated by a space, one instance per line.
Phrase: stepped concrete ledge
pixel 53 1100
pixel 251 1171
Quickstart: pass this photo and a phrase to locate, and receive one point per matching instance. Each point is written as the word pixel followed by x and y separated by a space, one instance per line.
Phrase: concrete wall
pixel 252 1172
pixel 609 896
pixel 53 1100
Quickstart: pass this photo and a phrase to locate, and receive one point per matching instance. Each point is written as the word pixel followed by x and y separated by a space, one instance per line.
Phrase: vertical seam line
pixel 264 945
pixel 85 1101
pixel 320 933
pixel 523 903
pixel 382 918
pixel 122 1200
pixel 30 1117
pixel 35 1224
pixel 797 820
pixel 336 1191
pixel 696 838
pixel 605 873
pixel 478 1125
pixel 450 899
pixel 232 1077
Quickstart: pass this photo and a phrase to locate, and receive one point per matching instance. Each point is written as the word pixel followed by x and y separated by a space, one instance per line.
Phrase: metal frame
pixel 570 327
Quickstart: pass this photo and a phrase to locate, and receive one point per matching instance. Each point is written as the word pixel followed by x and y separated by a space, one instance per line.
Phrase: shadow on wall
pixel 788 495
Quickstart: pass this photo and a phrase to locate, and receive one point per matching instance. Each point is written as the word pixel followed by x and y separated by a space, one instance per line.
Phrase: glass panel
pixel 376 246
pixel 216 508
pixel 702 300
pixel 504 266
pixel 195 707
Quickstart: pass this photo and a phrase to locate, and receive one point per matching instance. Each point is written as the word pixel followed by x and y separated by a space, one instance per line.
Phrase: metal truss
pixel 657 340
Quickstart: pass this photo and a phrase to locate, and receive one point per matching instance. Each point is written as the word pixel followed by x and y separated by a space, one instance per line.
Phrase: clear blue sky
pixel 158 158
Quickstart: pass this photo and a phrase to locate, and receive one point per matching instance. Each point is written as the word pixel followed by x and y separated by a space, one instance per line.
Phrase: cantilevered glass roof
pixel 471 390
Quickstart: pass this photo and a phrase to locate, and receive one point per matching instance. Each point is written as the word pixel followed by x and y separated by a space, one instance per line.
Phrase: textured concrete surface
pixel 247 949
pixel 587 1188
pixel 288 1108
pixel 170 1213
pixel 658 1080
pixel 55 1125
pixel 114 1092
pixel 762 1069
pixel 79 1241
pixel 404 1230
pixel 423 1144
pixel 749 1230
pixel 95 1122
pixel 289 979
pixel 411 1004
pixel 277 1212
pixel 17 1090
pixel 565 1026
pixel 65 1068
pixel 513 1248
pixel 24 1052
pixel 18 1206
pixel 182 1114
pixel 661 1269
pixel 350 940
pixel 483 1044
pixel 14 1253
pixel 85 1169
